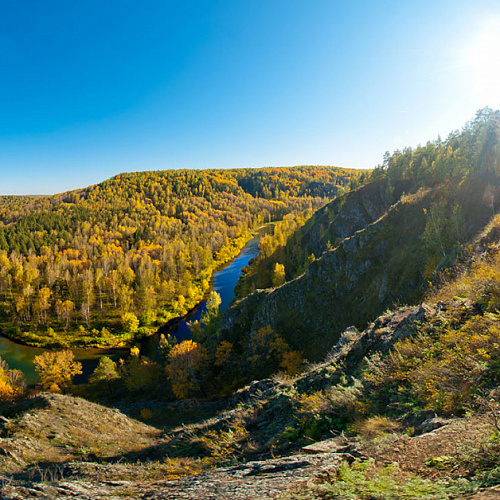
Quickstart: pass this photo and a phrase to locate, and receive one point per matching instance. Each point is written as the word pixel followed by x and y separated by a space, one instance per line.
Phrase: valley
pixel 250 250
pixel 359 360
pixel 109 264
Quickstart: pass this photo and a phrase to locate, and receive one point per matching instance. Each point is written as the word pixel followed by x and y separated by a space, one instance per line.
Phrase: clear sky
pixel 92 88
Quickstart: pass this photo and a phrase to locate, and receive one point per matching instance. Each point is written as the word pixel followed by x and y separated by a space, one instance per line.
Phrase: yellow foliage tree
pixel 12 382
pixel 292 362
pixel 6 389
pixel 265 350
pixel 278 274
pixel 223 353
pixel 184 364
pixel 130 323
pixel 57 369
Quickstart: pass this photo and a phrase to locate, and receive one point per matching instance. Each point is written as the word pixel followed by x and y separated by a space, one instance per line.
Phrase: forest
pixel 105 265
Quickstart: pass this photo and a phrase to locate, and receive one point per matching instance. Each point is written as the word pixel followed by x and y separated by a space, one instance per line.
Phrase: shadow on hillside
pixel 10 410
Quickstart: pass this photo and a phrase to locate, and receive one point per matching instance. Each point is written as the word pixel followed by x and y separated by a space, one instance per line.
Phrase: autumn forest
pixel 106 265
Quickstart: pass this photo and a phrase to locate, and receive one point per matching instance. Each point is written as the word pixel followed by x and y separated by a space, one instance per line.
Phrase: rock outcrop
pixel 349 285
pixel 54 428
pixel 259 480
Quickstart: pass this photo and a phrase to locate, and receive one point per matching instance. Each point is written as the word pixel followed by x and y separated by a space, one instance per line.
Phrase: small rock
pixel 333 445
pixel 432 424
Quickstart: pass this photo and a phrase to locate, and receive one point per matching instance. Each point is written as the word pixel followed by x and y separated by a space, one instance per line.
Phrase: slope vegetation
pixel 380 244
pixel 404 406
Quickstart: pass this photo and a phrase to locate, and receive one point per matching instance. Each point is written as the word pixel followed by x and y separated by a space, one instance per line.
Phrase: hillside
pixel 329 431
pixel 377 246
pixel 104 265
pixel 384 263
pixel 382 388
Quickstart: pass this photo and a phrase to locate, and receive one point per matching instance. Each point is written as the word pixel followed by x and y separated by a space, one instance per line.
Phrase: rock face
pixel 340 219
pixel 380 335
pixel 253 480
pixel 354 346
pixel 349 285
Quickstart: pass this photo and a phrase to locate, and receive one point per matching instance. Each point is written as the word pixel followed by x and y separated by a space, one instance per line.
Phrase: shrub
pixel 130 323
pixel 442 369
pixel 341 400
pixel 225 444
pixel 333 408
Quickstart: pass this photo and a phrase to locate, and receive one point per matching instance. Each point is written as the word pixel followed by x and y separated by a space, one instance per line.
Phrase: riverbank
pixel 114 331
pixel 223 282
pixel 20 355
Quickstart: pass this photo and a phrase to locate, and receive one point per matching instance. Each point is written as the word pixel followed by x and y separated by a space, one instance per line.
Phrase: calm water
pixel 223 283
pixel 21 357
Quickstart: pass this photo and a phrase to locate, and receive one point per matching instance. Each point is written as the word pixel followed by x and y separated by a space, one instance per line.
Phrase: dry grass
pixel 375 427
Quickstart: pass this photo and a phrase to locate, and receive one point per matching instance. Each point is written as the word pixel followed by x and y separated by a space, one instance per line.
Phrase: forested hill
pixel 378 246
pixel 105 264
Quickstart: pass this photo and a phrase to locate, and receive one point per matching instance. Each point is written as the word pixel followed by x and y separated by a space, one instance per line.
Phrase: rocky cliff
pixel 340 219
pixel 380 261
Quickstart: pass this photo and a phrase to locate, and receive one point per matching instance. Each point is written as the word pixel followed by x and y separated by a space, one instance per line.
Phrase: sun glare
pixel 482 59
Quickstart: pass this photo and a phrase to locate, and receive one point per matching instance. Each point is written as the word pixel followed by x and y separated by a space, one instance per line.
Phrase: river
pixel 21 357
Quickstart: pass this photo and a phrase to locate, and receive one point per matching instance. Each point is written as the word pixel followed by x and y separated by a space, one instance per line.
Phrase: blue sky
pixel 93 88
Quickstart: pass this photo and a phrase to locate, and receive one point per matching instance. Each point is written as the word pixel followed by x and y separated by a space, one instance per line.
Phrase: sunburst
pixel 482 59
